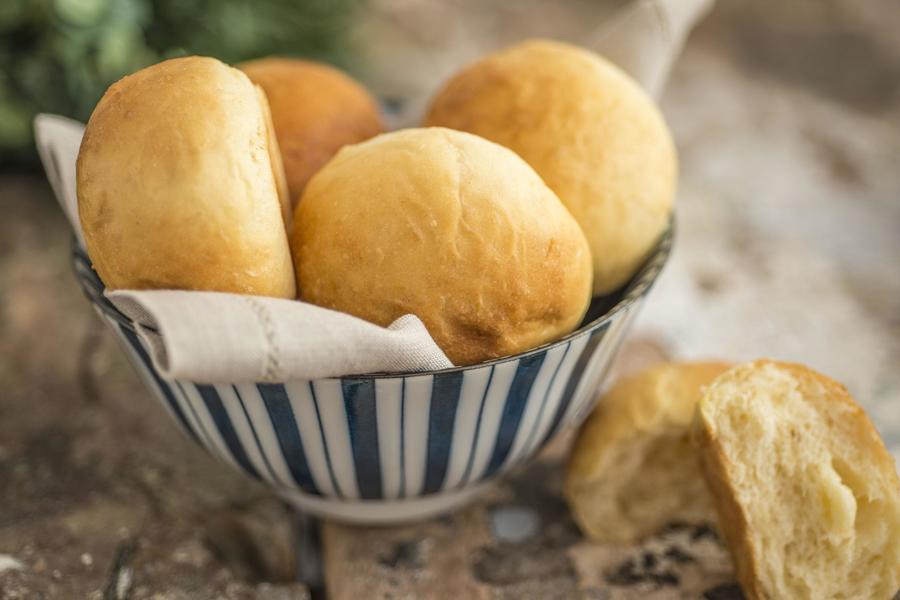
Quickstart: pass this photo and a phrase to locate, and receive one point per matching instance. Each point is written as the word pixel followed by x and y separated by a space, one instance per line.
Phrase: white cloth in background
pixel 645 37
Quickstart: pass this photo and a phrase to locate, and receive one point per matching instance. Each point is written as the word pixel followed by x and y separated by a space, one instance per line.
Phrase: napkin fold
pixel 215 337
pixel 212 337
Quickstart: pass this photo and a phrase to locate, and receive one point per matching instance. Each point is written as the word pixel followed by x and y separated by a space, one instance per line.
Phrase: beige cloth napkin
pixel 210 337
pixel 215 337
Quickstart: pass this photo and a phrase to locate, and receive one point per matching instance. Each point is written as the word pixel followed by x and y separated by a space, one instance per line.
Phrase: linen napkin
pixel 212 337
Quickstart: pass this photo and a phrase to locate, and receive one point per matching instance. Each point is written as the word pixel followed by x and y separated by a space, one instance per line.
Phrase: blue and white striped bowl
pixel 397 447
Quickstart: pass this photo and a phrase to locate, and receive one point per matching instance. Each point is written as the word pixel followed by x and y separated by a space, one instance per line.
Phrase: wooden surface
pixel 519 542
pixel 787 117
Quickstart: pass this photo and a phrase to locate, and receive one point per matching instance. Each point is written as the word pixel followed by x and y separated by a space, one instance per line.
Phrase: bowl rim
pixel 636 288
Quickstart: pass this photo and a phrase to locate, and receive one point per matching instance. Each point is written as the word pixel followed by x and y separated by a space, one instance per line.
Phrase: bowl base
pixel 382 512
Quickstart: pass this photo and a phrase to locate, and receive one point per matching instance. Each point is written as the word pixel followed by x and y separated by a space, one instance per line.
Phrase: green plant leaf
pixel 15 124
pixel 81 12
pixel 60 55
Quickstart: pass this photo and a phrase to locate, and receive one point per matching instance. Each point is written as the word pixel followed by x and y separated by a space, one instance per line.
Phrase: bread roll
pixel 633 470
pixel 589 131
pixel 807 494
pixel 316 110
pixel 447 226
pixel 178 184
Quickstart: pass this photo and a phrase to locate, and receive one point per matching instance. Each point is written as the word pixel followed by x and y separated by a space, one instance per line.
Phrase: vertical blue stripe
pixel 441 424
pixel 516 400
pixel 574 378
pixel 281 415
pixel 201 429
pixel 135 343
pixel 259 446
pixel 402 492
pixel 226 428
pixel 527 447
pixel 465 478
pixel 337 488
pixel 362 423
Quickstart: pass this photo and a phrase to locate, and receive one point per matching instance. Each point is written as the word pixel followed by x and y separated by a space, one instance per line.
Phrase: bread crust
pixel 176 185
pixel 590 132
pixel 732 519
pixel 447 226
pixel 316 109
pixel 719 470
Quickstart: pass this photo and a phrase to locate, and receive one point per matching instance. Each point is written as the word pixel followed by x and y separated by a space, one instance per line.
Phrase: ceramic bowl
pixel 394 447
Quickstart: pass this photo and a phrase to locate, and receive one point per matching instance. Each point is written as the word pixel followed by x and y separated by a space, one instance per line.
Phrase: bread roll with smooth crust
pixel 808 496
pixel 316 109
pixel 451 228
pixel 633 470
pixel 178 184
pixel 589 131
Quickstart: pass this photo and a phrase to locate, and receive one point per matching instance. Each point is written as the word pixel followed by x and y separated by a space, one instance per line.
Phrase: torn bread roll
pixel 633 470
pixel 807 495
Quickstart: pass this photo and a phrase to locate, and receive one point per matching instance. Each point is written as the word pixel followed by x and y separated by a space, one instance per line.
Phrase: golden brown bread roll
pixel 447 226
pixel 178 184
pixel 316 110
pixel 589 131
pixel 633 470
pixel 808 496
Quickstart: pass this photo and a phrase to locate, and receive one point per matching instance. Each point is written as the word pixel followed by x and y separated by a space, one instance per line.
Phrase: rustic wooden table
pixel 787 116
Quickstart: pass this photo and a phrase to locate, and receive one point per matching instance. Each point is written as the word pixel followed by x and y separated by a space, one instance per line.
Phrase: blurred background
pixel 787 120
pixel 59 56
